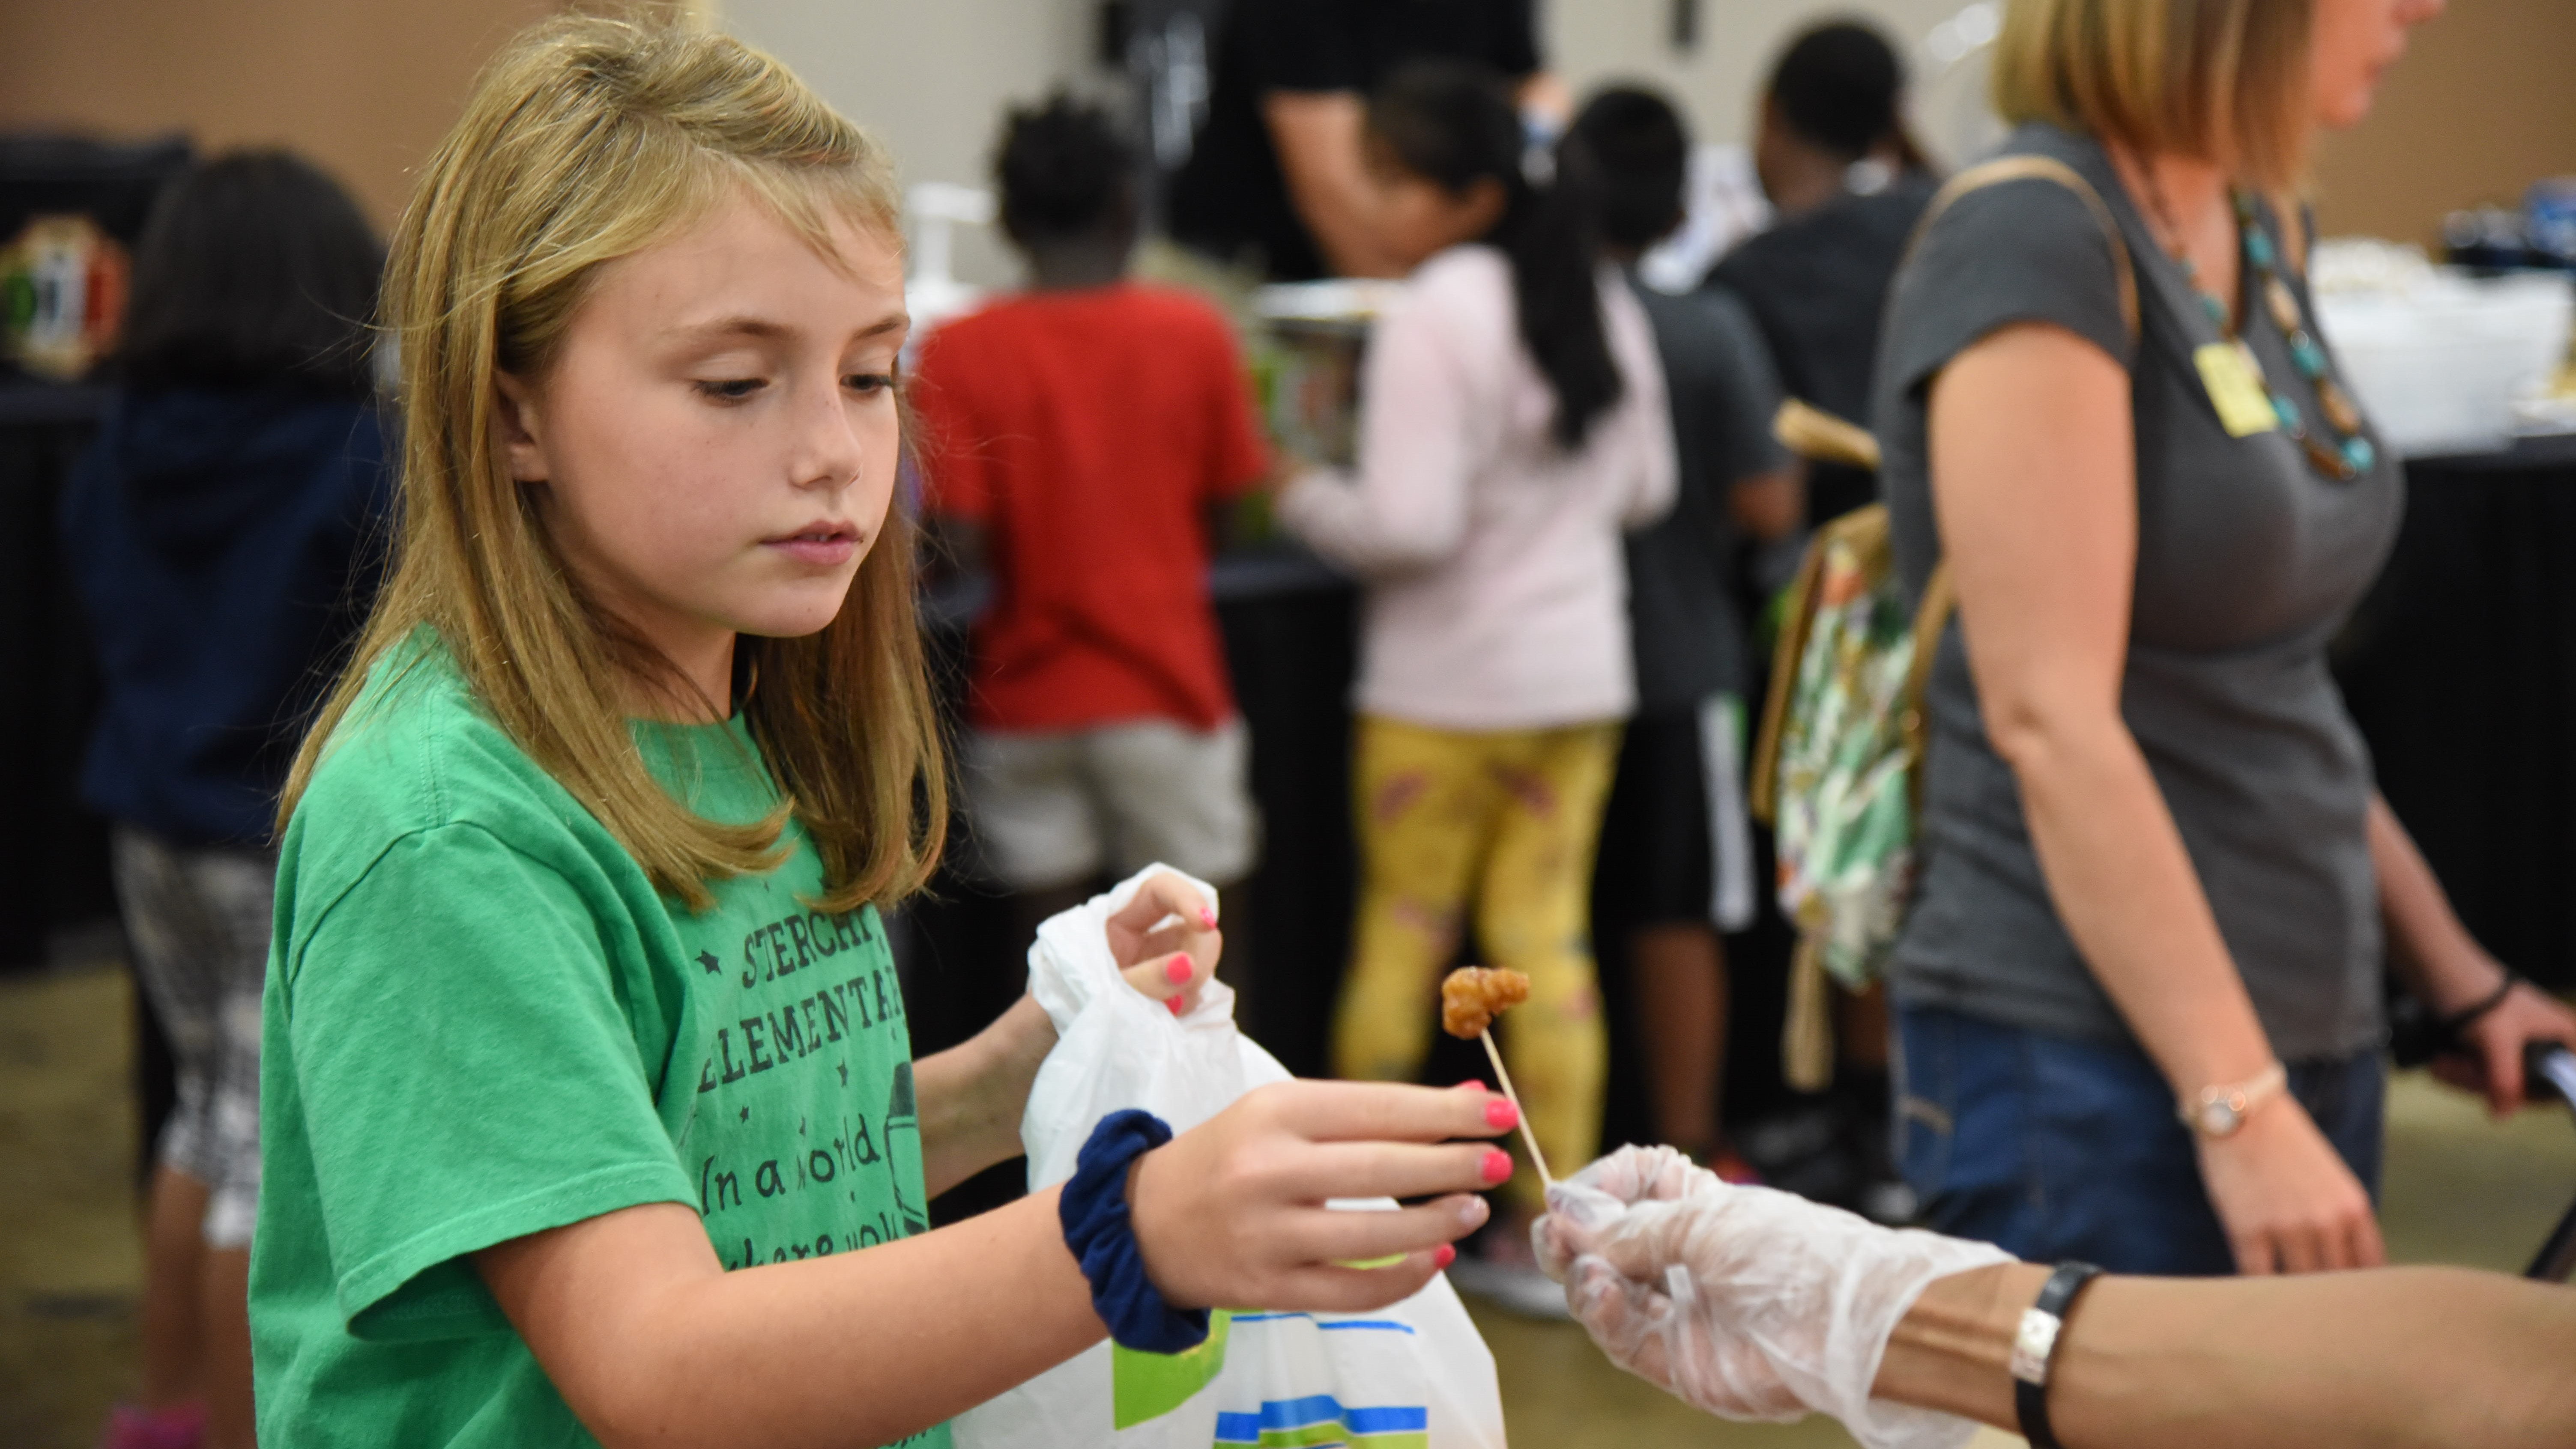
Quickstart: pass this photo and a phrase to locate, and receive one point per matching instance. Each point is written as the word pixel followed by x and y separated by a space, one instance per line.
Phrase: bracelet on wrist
pixel 2034 1352
pixel 2461 1020
pixel 1101 1234
pixel 2220 1112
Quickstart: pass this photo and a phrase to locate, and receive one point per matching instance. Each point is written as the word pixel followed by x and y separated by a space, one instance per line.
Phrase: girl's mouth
pixel 823 545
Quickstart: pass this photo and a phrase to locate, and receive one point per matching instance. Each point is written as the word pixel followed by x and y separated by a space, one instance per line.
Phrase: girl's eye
pixel 731 389
pixel 869 383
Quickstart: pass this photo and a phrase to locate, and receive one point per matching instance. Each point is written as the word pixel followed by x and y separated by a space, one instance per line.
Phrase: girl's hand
pixel 2286 1199
pixel 972 1096
pixel 1232 1212
pixel 1165 941
pixel 2492 1062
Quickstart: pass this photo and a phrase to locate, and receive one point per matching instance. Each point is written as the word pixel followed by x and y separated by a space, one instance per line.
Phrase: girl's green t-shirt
pixel 482 1021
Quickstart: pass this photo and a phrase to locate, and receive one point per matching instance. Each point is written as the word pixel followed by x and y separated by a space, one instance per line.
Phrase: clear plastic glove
pixel 1746 1302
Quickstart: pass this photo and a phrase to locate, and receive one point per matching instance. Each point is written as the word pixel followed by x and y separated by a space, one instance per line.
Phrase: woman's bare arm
pixel 2034 483
pixel 2452 973
pixel 1318 137
pixel 2404 1358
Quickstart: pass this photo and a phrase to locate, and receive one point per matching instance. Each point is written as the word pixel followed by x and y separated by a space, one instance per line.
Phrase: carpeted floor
pixel 2460 1190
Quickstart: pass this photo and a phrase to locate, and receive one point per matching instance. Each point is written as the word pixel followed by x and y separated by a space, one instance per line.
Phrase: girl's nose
pixel 829 451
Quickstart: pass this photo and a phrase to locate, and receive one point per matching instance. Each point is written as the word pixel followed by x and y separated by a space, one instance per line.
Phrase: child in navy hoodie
pixel 218 533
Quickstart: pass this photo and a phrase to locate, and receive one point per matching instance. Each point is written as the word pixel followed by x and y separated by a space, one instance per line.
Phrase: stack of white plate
pixel 2439 358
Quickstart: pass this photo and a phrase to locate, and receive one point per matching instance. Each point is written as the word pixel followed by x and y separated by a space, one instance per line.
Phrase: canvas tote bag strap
pixel 2038 168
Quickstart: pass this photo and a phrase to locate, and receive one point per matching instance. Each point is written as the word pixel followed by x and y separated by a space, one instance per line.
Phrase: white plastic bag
pixel 1413 1376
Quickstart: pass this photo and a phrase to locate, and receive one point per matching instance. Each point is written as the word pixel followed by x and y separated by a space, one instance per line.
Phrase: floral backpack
pixel 1837 766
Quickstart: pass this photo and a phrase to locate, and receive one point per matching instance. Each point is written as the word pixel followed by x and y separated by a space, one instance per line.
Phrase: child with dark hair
pixel 217 535
pixel 1831 148
pixel 1835 158
pixel 1087 440
pixel 1835 101
pixel 1512 426
pixel 1676 854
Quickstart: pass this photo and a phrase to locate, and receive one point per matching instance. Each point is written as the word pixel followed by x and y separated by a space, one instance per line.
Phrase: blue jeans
pixel 2055 1148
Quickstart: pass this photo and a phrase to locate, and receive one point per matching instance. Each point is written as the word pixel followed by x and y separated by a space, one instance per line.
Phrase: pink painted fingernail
pixel 1178 970
pixel 1501 1113
pixel 1471 1084
pixel 1207 917
pixel 1175 1005
pixel 1443 1256
pixel 1498 1165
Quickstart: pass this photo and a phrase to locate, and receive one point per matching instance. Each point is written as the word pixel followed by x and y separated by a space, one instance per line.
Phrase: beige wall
pixel 930 77
pixel 365 87
pixel 2481 107
pixel 933 78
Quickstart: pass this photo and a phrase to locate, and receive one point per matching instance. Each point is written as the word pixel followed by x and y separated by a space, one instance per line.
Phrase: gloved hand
pixel 1746 1302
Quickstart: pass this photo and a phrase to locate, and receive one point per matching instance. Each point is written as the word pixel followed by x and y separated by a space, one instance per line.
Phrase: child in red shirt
pixel 1086 438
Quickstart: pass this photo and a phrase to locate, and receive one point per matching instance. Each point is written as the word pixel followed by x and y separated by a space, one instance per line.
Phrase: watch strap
pixel 2035 1349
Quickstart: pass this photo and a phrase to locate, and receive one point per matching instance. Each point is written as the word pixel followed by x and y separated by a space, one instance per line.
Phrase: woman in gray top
pixel 2155 867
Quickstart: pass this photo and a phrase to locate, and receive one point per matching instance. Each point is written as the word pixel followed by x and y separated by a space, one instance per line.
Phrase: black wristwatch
pixel 2035 1347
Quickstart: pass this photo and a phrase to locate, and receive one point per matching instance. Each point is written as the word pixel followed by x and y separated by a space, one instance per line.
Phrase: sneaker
pixel 1518 1287
pixel 1889 1202
pixel 130 1427
pixel 1501 1267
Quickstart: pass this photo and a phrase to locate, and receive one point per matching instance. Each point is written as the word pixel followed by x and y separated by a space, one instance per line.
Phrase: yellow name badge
pixel 2235 383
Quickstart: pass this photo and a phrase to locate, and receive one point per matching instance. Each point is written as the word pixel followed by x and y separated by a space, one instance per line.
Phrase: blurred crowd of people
pixel 1566 503
pixel 2154 867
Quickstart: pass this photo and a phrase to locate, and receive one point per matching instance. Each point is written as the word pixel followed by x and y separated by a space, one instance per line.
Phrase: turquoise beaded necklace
pixel 2349 453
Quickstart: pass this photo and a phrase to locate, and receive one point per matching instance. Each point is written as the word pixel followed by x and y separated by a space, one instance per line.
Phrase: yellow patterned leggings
pixel 1506 822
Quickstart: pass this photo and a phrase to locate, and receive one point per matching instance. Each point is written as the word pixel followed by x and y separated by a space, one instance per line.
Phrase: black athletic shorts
pixel 1656 858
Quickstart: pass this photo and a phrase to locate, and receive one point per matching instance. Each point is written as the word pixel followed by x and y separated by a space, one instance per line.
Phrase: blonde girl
pixel 592 1110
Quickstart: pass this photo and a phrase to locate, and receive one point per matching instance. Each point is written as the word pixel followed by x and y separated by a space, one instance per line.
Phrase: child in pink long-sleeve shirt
pixel 1513 425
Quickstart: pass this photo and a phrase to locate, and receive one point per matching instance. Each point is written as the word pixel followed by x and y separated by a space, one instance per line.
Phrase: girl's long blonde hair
pixel 2222 80
pixel 589 139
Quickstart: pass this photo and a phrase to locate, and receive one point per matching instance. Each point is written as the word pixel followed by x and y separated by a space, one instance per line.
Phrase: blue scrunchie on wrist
pixel 1093 1210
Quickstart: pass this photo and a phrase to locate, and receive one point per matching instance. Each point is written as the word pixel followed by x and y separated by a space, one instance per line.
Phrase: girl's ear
pixel 1481 205
pixel 515 423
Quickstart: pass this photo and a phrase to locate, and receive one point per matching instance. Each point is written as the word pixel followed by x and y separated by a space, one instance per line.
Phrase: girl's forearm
pixel 2125 886
pixel 971 1097
pixel 857 1348
pixel 2395 1359
pixel 2427 944
pixel 906 1327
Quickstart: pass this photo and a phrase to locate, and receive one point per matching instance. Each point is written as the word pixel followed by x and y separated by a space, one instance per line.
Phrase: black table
pixel 53 854
pixel 2461 669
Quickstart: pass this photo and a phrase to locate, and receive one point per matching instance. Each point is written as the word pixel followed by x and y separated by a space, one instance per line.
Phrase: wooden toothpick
pixel 1531 1139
